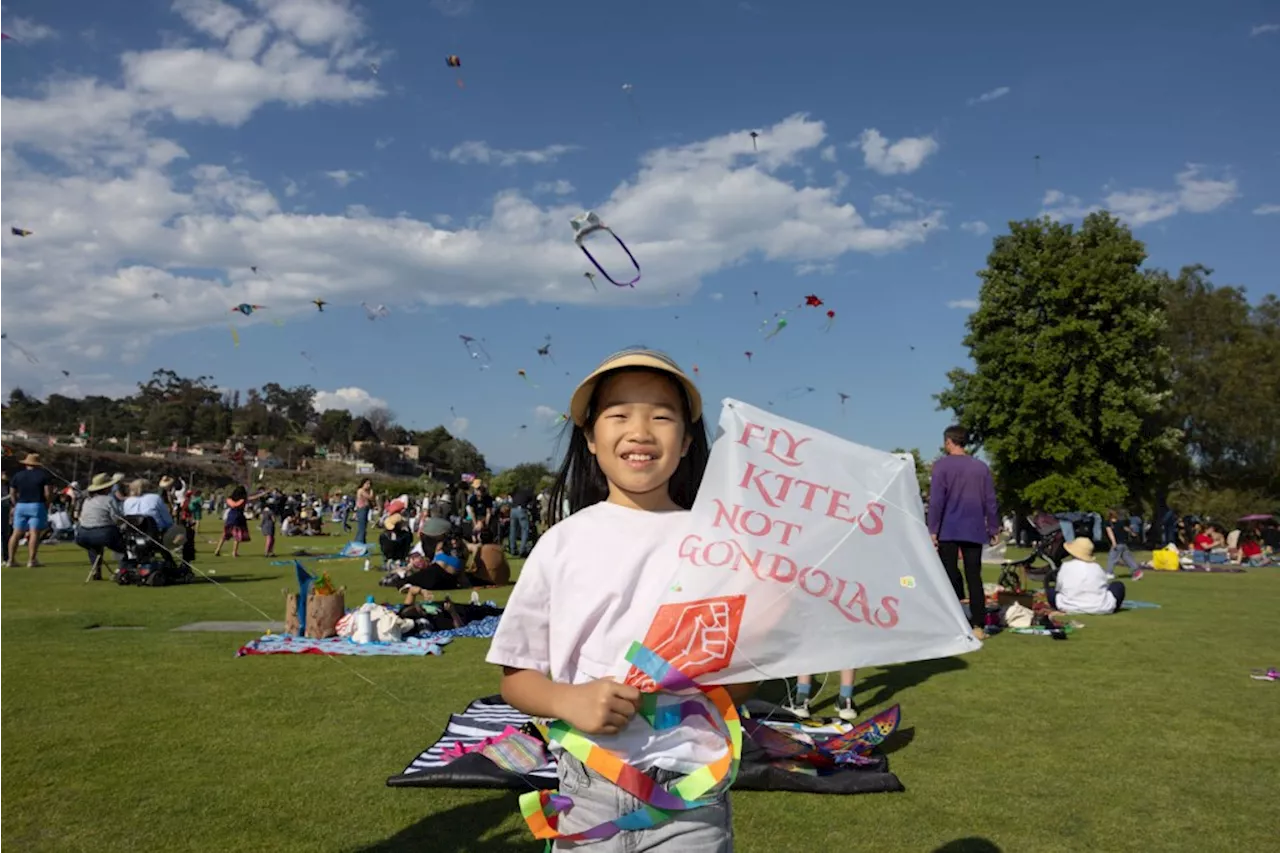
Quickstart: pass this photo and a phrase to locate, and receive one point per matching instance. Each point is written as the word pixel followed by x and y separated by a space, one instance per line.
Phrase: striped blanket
pixel 283 644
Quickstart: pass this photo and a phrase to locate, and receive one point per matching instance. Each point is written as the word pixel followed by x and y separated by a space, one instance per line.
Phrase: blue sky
pixel 166 151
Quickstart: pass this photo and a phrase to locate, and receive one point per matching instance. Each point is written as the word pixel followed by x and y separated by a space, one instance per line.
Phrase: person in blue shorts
pixel 30 492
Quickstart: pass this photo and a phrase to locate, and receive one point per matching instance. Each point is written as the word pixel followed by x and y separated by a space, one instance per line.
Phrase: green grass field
pixel 1143 732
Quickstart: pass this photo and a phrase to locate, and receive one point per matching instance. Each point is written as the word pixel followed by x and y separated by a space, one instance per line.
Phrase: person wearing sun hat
pixel 30 493
pixel 1082 585
pixel 100 517
pixel 396 542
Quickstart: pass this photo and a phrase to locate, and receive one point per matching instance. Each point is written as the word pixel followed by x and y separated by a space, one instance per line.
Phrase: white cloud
pixel 546 415
pixel 141 218
pixel 717 297
pixel 290 188
pixel 1196 192
pixel 976 227
pixel 459 426
pixel 815 269
pixel 967 304
pixel 381 143
pixel 560 187
pixel 26 31
pixel 1262 29
pixel 829 154
pixel 994 94
pixel 899 201
pixel 342 177
pixel 473 152
pixel 1266 209
pixel 896 158
pixel 357 401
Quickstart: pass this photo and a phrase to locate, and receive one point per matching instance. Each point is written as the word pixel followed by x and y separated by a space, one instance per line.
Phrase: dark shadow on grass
pixel 890 682
pixel 900 739
pixel 236 578
pixel 969 845
pixel 459 830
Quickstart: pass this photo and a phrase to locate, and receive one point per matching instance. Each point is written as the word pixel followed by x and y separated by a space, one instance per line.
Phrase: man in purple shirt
pixel 963 516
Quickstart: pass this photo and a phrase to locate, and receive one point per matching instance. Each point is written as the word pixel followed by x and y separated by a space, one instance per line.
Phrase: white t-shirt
pixel 1082 588
pixel 587 592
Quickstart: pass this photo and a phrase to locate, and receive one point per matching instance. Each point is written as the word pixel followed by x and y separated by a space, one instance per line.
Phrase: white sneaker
pixel 846 709
pixel 799 708
pixel 1111 576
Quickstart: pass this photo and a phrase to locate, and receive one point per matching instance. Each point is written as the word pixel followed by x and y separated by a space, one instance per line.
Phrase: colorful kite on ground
pixel 588 223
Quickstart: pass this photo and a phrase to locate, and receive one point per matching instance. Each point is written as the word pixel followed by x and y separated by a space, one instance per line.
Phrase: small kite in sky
pixel 756 294
pixel 695 370
pixel 591 277
pixel 66 373
pixel 748 354
pixel 545 350
pixel 812 301
pixel 781 324
pixel 754 137
pixel 587 223
pixel 798 392
pixel 247 308
pixel 309 361
pixel 373 66
pixel 476 350
pixel 844 398
pixel 628 88
pixel 160 296
pixel 374 312
pixel 454 61
pixel 20 232
pixel 831 319
pixel 31 358
pixel 319 303
pixel 525 376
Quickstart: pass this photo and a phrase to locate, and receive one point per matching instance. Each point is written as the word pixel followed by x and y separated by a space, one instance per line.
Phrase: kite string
pixel 335 658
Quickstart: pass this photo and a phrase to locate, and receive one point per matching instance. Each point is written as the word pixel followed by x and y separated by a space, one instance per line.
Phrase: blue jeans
pixel 1121 552
pixel 519 522
pixel 98 540
pixel 362 523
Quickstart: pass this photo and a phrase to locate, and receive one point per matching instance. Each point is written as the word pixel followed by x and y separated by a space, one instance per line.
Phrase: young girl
pixel 236 525
pixel 636 456
pixel 268 532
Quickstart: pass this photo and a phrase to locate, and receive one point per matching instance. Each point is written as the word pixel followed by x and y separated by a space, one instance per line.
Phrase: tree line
pixel 169 408
pixel 1098 384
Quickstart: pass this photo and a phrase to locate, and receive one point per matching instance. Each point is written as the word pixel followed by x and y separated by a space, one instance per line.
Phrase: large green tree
pixel 1226 383
pixel 1070 368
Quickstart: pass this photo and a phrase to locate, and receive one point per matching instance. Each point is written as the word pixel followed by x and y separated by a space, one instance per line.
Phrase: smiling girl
pixel 636 456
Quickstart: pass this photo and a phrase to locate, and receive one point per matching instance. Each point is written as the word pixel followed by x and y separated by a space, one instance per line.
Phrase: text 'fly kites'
pixel 584 226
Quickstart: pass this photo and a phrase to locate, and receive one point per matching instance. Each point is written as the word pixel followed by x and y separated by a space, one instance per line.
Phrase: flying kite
pixel 373 313
pixel 5 37
pixel 454 61
pixel 160 296
pixel 591 277
pixel 525 377
pixel 781 324
pixel 31 358
pixel 66 373
pixel 628 88
pixel 798 392
pixel 748 354
pixel 831 319
pixel 545 350
pixel 812 301
pixel 754 137
pixel 319 303
pixel 309 361
pixel 246 308
pixel 476 350
pixel 373 66
pixel 587 223
pixel 844 398
pixel 20 232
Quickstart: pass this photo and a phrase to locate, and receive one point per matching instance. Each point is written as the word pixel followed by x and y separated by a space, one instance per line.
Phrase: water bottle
pixel 364 627
pixel 366 564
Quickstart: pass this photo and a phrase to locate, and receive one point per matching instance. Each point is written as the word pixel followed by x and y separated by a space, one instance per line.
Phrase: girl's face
pixel 638 438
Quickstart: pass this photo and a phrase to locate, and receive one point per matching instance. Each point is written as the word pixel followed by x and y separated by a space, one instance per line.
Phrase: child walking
pixel 637 452
pixel 268 533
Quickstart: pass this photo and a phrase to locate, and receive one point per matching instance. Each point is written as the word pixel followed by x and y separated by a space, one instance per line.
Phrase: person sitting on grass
pixel 1082 585
pixel 395 542
pixel 443 572
pixel 488 562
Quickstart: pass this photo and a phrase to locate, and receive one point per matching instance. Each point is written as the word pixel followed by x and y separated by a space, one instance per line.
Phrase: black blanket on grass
pixel 489 716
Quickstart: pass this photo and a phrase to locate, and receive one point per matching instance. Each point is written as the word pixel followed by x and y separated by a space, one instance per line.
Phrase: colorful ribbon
pixel 541 809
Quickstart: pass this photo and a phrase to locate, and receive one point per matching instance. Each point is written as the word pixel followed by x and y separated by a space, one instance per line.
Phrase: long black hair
pixel 583 483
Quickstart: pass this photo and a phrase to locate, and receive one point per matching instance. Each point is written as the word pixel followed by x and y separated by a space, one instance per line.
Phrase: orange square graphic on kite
pixel 694 637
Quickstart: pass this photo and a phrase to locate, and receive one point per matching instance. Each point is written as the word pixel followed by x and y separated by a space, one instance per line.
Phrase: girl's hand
pixel 600 707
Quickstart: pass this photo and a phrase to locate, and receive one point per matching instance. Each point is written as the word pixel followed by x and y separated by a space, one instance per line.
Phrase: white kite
pixel 805 553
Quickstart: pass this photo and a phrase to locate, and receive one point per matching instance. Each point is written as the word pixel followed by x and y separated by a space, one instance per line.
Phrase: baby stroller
pixel 147 558
pixel 1050 546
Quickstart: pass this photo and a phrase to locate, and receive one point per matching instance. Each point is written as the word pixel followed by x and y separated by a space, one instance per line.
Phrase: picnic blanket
pixel 481 629
pixel 284 644
pixel 453 762
pixel 1216 568
pixel 1139 605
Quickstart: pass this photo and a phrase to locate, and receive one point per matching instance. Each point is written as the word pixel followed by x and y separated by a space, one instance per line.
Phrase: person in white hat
pixel 30 493
pixel 1082 585
pixel 100 517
